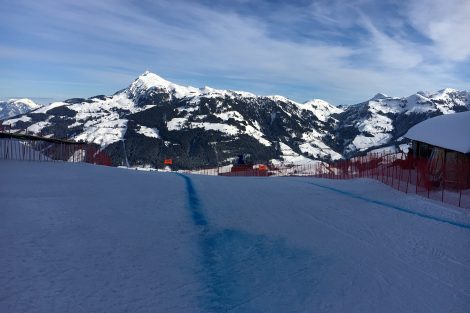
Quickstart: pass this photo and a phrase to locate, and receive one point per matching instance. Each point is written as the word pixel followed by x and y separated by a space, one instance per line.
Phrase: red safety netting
pixel 442 177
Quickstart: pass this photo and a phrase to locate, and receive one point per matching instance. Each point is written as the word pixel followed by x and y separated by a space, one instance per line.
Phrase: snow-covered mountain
pixel 383 120
pixel 15 107
pixel 158 119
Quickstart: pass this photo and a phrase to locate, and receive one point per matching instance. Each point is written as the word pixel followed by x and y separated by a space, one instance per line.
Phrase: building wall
pixel 445 166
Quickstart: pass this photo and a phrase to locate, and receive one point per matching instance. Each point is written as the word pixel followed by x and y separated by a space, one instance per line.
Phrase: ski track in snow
pixel 391 206
pixel 194 202
pixel 230 259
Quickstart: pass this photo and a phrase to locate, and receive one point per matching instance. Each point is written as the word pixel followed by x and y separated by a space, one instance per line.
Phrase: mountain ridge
pixel 206 126
pixel 12 107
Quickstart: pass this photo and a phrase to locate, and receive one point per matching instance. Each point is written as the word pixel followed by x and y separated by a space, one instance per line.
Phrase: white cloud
pixel 447 23
pixel 392 52
pixel 191 43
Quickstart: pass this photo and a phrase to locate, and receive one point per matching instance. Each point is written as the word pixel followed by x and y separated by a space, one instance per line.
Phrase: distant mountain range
pixel 15 107
pixel 154 119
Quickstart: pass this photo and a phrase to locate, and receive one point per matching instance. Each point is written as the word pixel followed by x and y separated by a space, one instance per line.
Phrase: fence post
pixel 416 180
pixel 384 165
pixel 400 176
pixel 10 150
pixel 409 176
pixel 444 173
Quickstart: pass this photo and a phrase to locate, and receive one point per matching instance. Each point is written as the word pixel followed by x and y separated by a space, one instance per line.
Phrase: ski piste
pixel 81 237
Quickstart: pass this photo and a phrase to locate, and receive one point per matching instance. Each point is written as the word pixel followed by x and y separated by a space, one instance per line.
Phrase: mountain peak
pixel 149 79
pixel 317 102
pixel 14 107
pixel 379 96
pixel 447 90
pixel 321 108
pixel 27 102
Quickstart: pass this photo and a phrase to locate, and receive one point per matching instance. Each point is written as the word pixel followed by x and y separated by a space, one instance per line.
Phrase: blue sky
pixel 340 51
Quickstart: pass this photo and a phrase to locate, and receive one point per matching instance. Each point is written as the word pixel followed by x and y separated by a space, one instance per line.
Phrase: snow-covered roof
pixel 450 131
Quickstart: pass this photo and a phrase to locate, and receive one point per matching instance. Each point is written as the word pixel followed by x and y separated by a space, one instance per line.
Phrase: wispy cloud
pixel 324 49
pixel 447 23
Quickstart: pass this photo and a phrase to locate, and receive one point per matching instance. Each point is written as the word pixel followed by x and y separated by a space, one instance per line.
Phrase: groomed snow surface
pixel 84 238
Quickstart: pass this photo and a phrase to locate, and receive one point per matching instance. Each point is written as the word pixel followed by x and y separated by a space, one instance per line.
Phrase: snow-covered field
pixel 84 238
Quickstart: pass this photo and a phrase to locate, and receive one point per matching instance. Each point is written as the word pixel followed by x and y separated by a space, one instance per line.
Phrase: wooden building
pixel 445 141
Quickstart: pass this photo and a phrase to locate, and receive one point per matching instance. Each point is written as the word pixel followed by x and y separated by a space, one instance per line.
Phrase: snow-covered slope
pixel 198 127
pixel 320 108
pixel 383 120
pixel 150 81
pixel 83 238
pixel 15 107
